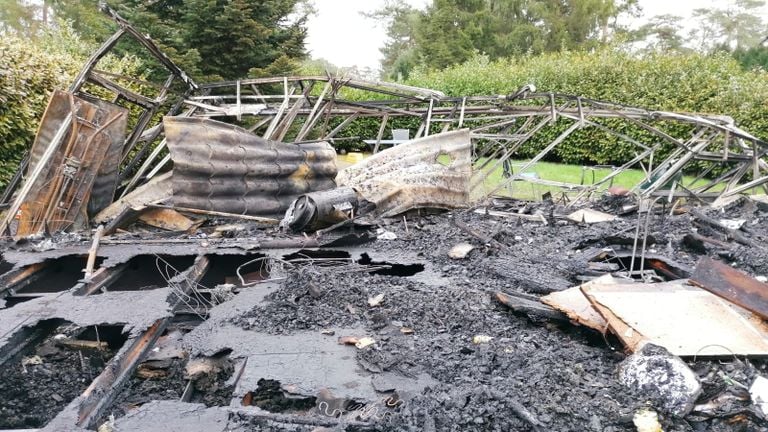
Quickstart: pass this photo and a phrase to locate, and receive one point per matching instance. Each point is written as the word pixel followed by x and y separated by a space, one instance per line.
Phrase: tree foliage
pixel 214 40
pixel 237 36
pixel 209 39
pixel 452 31
pixel 30 69
pixel 400 55
pixel 661 33
pixel 753 58
pixel 736 26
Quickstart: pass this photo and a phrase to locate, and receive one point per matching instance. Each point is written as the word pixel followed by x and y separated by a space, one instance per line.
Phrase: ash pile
pixel 217 269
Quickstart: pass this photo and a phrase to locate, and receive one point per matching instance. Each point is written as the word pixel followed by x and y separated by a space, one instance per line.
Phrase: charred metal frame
pixel 294 109
pixel 302 109
pixel 102 391
pixel 319 108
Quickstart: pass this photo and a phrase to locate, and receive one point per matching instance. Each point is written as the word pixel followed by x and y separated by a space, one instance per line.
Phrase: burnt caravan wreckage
pixel 195 256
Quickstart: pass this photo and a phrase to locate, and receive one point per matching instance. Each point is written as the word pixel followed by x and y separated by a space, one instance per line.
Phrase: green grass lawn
pixel 571 174
pixel 564 173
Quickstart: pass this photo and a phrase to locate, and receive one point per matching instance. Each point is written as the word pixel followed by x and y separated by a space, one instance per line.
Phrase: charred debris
pixel 193 258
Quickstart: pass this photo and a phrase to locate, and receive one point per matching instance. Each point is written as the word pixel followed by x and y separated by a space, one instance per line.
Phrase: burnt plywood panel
pixel 685 320
pixel 575 305
pixel 221 167
pixel 732 285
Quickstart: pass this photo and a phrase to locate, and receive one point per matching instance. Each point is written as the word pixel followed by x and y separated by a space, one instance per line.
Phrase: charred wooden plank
pixel 537 278
pixel 79 344
pixel 530 305
pixel 696 242
pixel 17 279
pixel 735 286
pixel 734 234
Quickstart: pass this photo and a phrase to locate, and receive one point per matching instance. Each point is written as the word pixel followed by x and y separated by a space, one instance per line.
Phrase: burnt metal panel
pixel 103 190
pixel 431 172
pixel 221 167
pixel 106 179
pixel 57 197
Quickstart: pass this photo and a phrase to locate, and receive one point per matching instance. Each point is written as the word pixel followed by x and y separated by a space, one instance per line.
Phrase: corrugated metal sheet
pixel 431 172
pixel 220 167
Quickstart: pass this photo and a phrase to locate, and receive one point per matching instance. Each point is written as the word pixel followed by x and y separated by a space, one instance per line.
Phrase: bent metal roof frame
pixel 520 125
pixel 504 127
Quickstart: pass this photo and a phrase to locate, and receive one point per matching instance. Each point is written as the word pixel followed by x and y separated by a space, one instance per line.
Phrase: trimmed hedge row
pixel 27 77
pixel 30 69
pixel 700 83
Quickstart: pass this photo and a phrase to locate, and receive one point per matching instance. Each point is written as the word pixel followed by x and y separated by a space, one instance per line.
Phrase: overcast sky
pixel 339 34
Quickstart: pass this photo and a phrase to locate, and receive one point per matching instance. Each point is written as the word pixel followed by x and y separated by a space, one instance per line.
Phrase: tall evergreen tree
pixel 662 33
pixel 240 36
pixel 399 50
pixel 451 31
pixel 210 39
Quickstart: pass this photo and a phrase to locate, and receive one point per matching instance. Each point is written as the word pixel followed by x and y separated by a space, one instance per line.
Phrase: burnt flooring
pixel 38 382
pixel 430 311
pixel 565 376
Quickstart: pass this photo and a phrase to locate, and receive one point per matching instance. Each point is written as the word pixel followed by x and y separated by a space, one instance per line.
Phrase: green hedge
pixel 30 69
pixel 713 84
pixel 27 77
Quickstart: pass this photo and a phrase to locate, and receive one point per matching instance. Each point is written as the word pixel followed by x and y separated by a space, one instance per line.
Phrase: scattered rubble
pixel 460 251
pixel 664 378
pixel 238 283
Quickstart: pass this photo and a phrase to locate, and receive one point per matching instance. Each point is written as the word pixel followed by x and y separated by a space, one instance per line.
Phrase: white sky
pixel 341 35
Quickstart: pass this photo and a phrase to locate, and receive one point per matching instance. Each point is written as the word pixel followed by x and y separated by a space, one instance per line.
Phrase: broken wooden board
pixel 530 305
pixel 575 305
pixel 156 190
pixel 685 320
pixel 166 219
pixel 735 286
pixel 631 339
pixel 590 216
